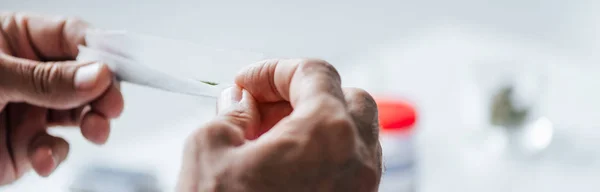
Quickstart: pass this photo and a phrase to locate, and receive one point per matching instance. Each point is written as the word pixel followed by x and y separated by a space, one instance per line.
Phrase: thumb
pixel 57 85
pixel 238 107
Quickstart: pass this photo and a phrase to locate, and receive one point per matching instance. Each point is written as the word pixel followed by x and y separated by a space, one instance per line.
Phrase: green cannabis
pixel 209 83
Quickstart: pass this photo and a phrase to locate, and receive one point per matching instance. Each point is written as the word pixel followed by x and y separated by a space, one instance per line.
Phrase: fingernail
pixel 87 76
pixel 229 97
pixel 245 96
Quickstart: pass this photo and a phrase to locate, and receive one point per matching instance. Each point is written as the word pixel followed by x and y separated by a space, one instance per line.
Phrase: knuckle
pixel 342 128
pixel 332 131
pixel 212 129
pixel 360 96
pixel 319 65
pixel 363 109
pixel 43 76
pixel 259 79
pixel 198 135
pixel 339 123
pixel 316 63
pixel 337 134
pixel 215 133
pixel 328 104
pixel 30 76
pixel 239 116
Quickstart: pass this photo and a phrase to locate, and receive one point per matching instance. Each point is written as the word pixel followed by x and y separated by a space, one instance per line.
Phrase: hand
pixel 287 126
pixel 41 87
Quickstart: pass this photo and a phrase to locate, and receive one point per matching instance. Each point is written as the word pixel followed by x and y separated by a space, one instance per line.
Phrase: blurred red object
pixel 396 115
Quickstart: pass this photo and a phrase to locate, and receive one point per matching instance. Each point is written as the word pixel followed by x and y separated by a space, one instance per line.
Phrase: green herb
pixel 209 83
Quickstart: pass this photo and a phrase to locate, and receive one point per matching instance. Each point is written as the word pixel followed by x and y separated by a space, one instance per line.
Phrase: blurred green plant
pixel 504 112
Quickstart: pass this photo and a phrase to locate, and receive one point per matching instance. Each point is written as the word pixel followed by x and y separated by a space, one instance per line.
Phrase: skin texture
pixel 40 88
pixel 288 125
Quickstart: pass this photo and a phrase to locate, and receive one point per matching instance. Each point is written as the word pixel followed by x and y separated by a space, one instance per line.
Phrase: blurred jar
pixel 397 119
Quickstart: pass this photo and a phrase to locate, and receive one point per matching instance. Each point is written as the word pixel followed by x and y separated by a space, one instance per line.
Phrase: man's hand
pixel 287 126
pixel 41 87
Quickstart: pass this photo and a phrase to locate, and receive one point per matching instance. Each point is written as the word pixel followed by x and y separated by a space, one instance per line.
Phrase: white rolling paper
pixel 129 71
pixel 163 64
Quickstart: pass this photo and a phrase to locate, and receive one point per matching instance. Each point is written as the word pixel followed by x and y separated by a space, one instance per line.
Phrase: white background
pixel 443 55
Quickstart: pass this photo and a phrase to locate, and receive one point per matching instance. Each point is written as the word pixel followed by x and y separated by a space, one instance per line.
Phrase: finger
pixel 24 123
pixel 60 117
pixel 59 85
pixel 110 104
pixel 238 107
pixel 313 88
pixel 208 146
pixel 46 152
pixel 363 109
pixel 216 135
pixel 364 112
pixel 95 128
pixel 70 117
pixel 229 97
pixel 291 80
pixel 43 37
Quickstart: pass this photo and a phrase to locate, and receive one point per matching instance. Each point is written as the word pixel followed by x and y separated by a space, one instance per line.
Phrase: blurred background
pixel 505 91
